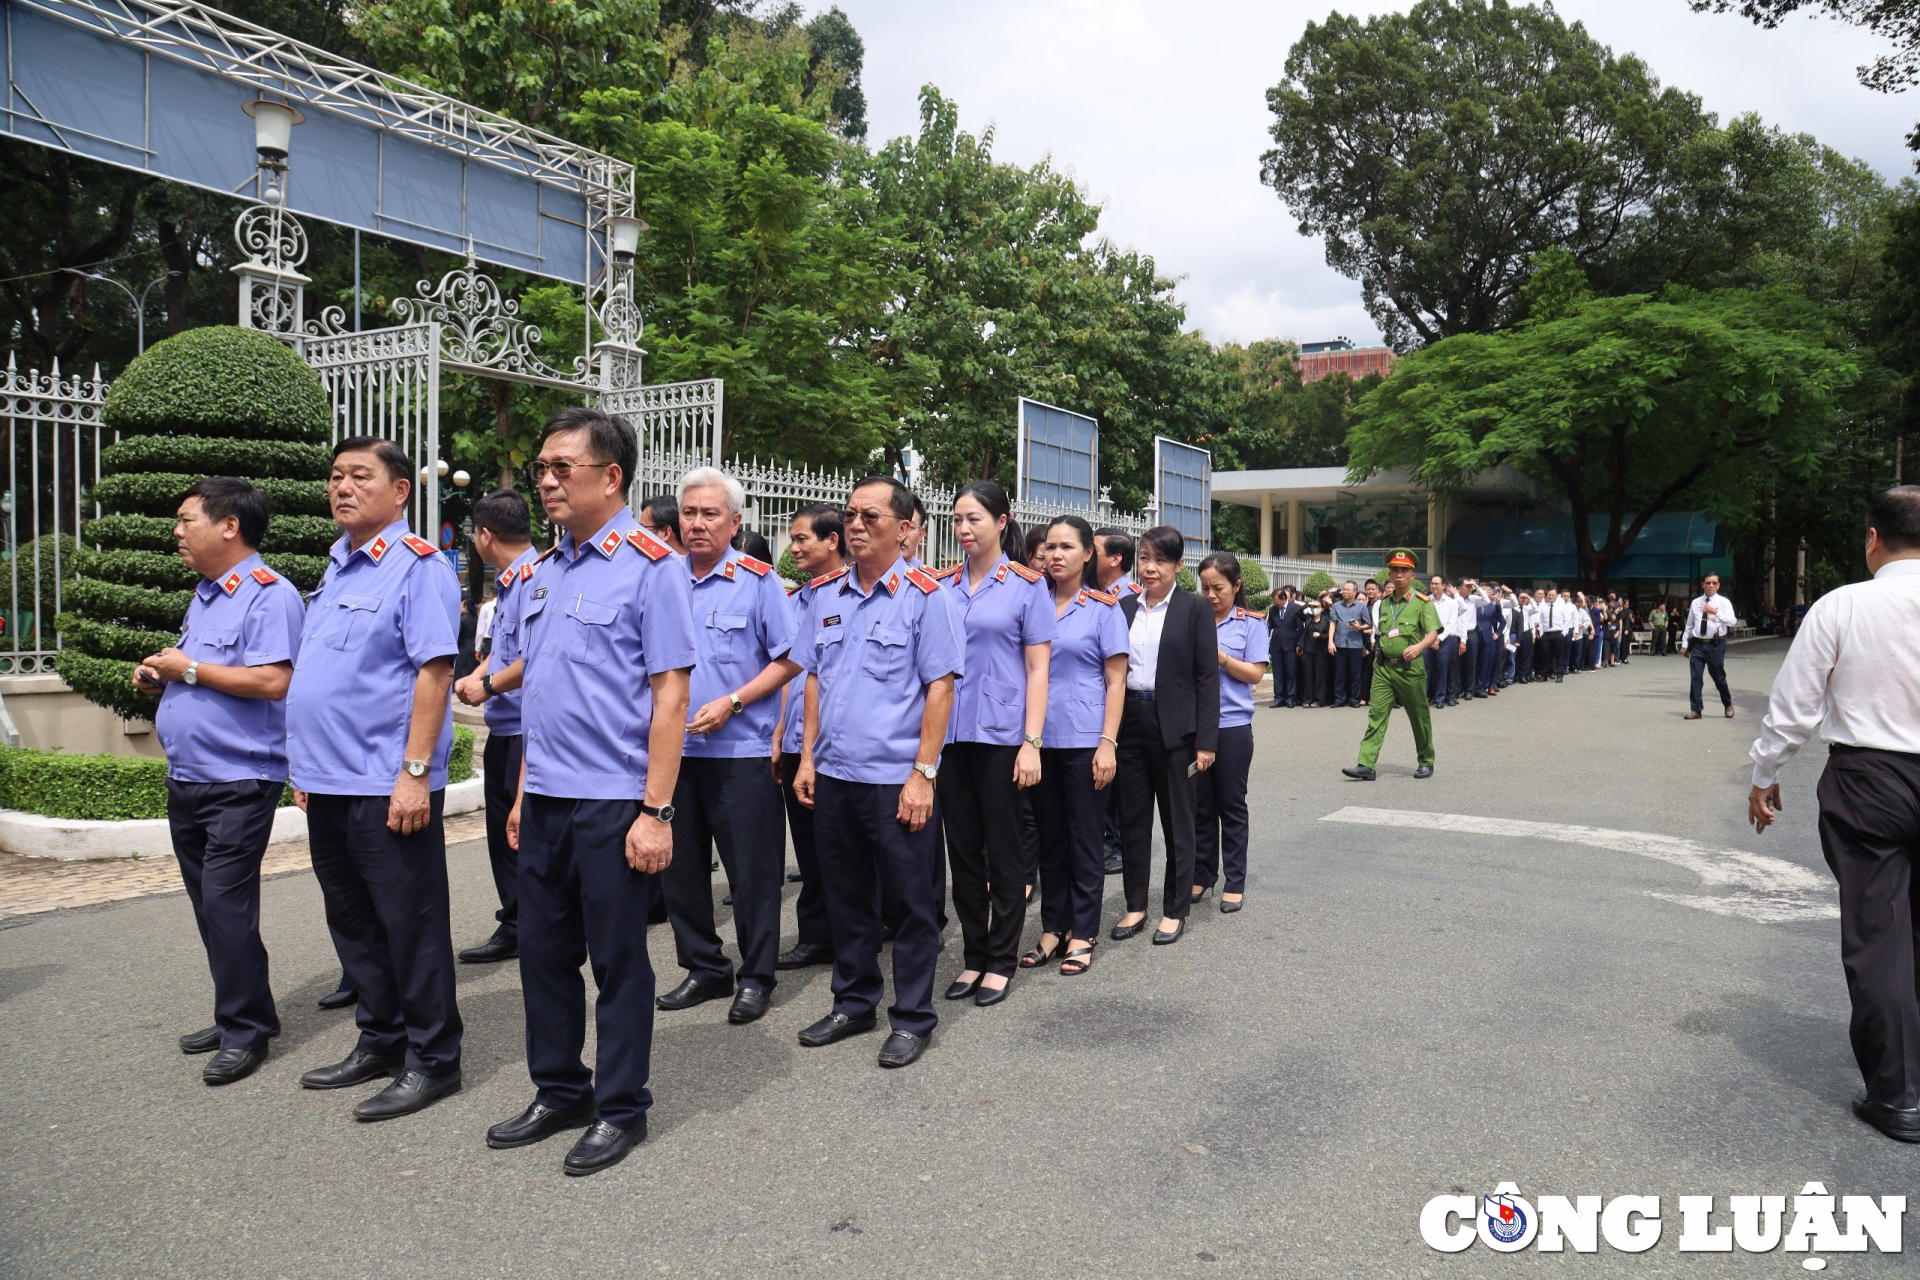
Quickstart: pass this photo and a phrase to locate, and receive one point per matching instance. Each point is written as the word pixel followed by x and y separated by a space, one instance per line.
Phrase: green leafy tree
pixel 1622 407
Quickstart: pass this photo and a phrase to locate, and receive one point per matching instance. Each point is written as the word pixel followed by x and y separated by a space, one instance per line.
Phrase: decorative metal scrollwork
pixel 272 290
pixel 479 328
pixel 271 237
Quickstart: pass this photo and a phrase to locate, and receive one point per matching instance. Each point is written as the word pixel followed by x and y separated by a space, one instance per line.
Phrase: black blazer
pixel 1283 625
pixel 1186 680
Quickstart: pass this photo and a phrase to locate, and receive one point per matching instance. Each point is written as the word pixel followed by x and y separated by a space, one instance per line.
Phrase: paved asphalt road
pixel 1395 1015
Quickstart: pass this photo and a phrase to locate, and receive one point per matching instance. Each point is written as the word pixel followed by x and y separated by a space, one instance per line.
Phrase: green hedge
pixel 112 789
pixel 157 493
pixel 112 640
pixel 1319 581
pixel 200 455
pixel 295 535
pixel 115 602
pixel 105 682
pixel 220 381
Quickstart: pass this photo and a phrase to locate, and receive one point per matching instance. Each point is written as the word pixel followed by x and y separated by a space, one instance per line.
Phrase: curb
pixel 36 836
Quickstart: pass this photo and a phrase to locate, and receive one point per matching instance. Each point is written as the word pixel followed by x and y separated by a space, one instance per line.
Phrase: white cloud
pixel 1160 112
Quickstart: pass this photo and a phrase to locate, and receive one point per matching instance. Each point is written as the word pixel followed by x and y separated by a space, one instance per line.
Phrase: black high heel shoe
pixel 1161 939
pixel 961 990
pixel 1121 932
pixel 1197 897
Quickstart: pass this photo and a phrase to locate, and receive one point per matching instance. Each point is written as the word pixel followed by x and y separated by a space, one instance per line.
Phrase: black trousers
pixel 732 803
pixel 1286 675
pixel 986 855
pixel 1707 656
pixel 580 901
pixel 220 832
pixel 1152 774
pixel 1069 814
pixel 1469 667
pixel 1553 654
pixel 869 859
pixel 1220 811
pixel 1870 833
pixel 810 908
pixel 500 763
pixel 386 900
pixel 1346 676
pixel 1442 671
pixel 1523 659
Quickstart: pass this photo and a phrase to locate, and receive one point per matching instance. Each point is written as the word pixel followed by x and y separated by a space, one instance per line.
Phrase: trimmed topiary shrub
pixel 1320 581
pixel 214 401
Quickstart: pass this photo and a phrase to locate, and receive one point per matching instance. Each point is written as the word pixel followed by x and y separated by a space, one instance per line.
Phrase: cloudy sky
pixel 1159 110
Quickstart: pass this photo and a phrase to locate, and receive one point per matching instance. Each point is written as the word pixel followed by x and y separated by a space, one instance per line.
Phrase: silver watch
pixel 416 768
pixel 192 674
pixel 1035 741
pixel 927 771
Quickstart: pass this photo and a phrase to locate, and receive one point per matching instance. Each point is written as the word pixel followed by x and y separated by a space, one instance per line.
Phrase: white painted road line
pixel 1756 886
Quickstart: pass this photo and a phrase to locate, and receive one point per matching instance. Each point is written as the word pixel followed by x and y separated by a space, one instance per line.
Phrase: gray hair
pixel 702 477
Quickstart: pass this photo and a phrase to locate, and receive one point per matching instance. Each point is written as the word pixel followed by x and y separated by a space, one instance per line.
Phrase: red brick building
pixel 1319 359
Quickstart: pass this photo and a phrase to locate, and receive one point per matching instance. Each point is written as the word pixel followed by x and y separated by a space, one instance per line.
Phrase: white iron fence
pixel 386 383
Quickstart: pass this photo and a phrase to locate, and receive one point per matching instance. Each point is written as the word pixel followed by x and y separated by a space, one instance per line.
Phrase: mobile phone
pixel 1193 767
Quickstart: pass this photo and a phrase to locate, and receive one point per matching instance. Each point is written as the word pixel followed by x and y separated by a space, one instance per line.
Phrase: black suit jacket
pixel 1283 625
pixel 1186 680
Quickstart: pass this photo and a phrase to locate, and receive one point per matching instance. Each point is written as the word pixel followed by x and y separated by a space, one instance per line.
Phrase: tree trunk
pixel 503 427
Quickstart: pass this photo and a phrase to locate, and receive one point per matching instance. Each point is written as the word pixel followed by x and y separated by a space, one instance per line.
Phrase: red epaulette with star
pixel 758 568
pixel 418 545
pixel 1246 613
pixel 648 545
pixel 825 578
pixel 923 580
pixel 506 578
pixel 947 572
pixel 528 569
pixel 1101 596
pixel 1134 588
pixel 1031 575
pixel 231 583
pixel 265 576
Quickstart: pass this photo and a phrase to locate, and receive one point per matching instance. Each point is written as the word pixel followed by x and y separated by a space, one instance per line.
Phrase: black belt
pixel 1140 695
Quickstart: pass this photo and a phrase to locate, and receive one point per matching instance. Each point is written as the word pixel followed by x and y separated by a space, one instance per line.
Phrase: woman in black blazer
pixel 1170 723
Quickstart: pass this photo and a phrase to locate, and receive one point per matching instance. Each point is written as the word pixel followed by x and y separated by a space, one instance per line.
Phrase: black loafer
pixel 357 1067
pixel 503 945
pixel 1115 863
pixel 1121 932
pixel 804 954
pixel 961 990
pixel 538 1123
pixel 1228 908
pixel 413 1091
pixel 835 1027
pixel 1899 1123
pixel 201 1041
pixel 1161 938
pixel 343 998
pixel 748 1005
pixel 602 1146
pixel 1361 772
pixel 696 989
pixel 229 1065
pixel 1424 771
pixel 988 996
pixel 902 1049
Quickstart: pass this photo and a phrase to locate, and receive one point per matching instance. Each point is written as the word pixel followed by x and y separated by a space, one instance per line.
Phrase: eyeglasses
pixel 866 517
pixel 560 470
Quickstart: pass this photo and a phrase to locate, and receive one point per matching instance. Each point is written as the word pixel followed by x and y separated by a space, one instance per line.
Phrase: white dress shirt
pixel 1717 623
pixel 1143 643
pixel 1853 673
pixel 1454 613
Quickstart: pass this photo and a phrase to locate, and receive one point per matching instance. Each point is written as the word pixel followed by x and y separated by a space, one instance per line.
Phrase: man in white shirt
pixel 1444 658
pixel 1704 641
pixel 1853 674
pixel 1557 621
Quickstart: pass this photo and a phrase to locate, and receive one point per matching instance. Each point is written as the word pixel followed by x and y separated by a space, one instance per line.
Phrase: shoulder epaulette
pixel 923 580
pixel 506 578
pixel 265 577
pixel 944 574
pixel 825 578
pixel 1102 596
pixel 1134 588
pixel 1031 575
pixel 648 545
pixel 419 545
pixel 794 591
pixel 544 554
pixel 758 568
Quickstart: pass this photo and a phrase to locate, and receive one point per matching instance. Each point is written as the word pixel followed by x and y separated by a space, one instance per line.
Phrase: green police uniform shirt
pixel 1412 618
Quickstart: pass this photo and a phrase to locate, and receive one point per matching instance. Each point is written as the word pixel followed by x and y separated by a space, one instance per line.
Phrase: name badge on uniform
pixel 1394 634
pixel 834 621
pixel 539 593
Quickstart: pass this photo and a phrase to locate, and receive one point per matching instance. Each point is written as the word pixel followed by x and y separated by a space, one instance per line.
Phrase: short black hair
pixel 223 496
pixel 396 463
pixel 1896 517
pixel 609 438
pixel 1167 543
pixel 900 499
pixel 1116 542
pixel 504 514
pixel 824 519
pixel 664 510
pixel 919 509
pixel 750 542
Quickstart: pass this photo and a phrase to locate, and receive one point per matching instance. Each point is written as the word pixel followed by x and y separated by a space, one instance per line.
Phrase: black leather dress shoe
pixel 538 1123
pixel 503 945
pixel 794 877
pixel 1162 938
pixel 1424 771
pixel 1228 907
pixel 803 954
pixel 201 1041
pixel 902 1049
pixel 1899 1123
pixel 413 1091
pixel 987 996
pixel 229 1065
pixel 696 989
pixel 342 998
pixel 602 1146
pixel 748 1005
pixel 1360 771
pixel 357 1067
pixel 961 990
pixel 1115 863
pixel 833 1027
pixel 1121 932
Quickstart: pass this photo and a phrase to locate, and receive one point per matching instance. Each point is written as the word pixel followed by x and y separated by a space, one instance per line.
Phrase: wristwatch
pixel 733 700
pixel 192 675
pixel 486 682
pixel 1033 740
pixel 664 812
pixel 927 771
pixel 416 768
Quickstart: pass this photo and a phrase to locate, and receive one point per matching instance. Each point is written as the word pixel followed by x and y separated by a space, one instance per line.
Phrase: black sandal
pixel 1077 961
pixel 1040 955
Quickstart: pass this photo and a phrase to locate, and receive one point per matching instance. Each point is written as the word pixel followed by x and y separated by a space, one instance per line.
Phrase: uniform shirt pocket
pixel 1003 706
pixel 1087 715
pixel 827 654
pixel 727 636
pixel 590 630
pixel 886 652
pixel 355 623
pixel 220 643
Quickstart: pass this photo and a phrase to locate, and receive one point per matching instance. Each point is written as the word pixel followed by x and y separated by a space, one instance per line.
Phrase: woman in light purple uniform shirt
pixel 1220 794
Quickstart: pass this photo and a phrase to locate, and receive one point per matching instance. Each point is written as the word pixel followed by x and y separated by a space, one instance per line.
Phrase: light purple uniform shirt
pixel 741 622
pixel 503 709
pixel 251 617
pixel 1005 613
pixel 1243 636
pixel 1091 630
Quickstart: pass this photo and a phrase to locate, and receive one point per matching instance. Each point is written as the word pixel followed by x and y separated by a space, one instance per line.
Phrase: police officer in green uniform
pixel 1407 626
